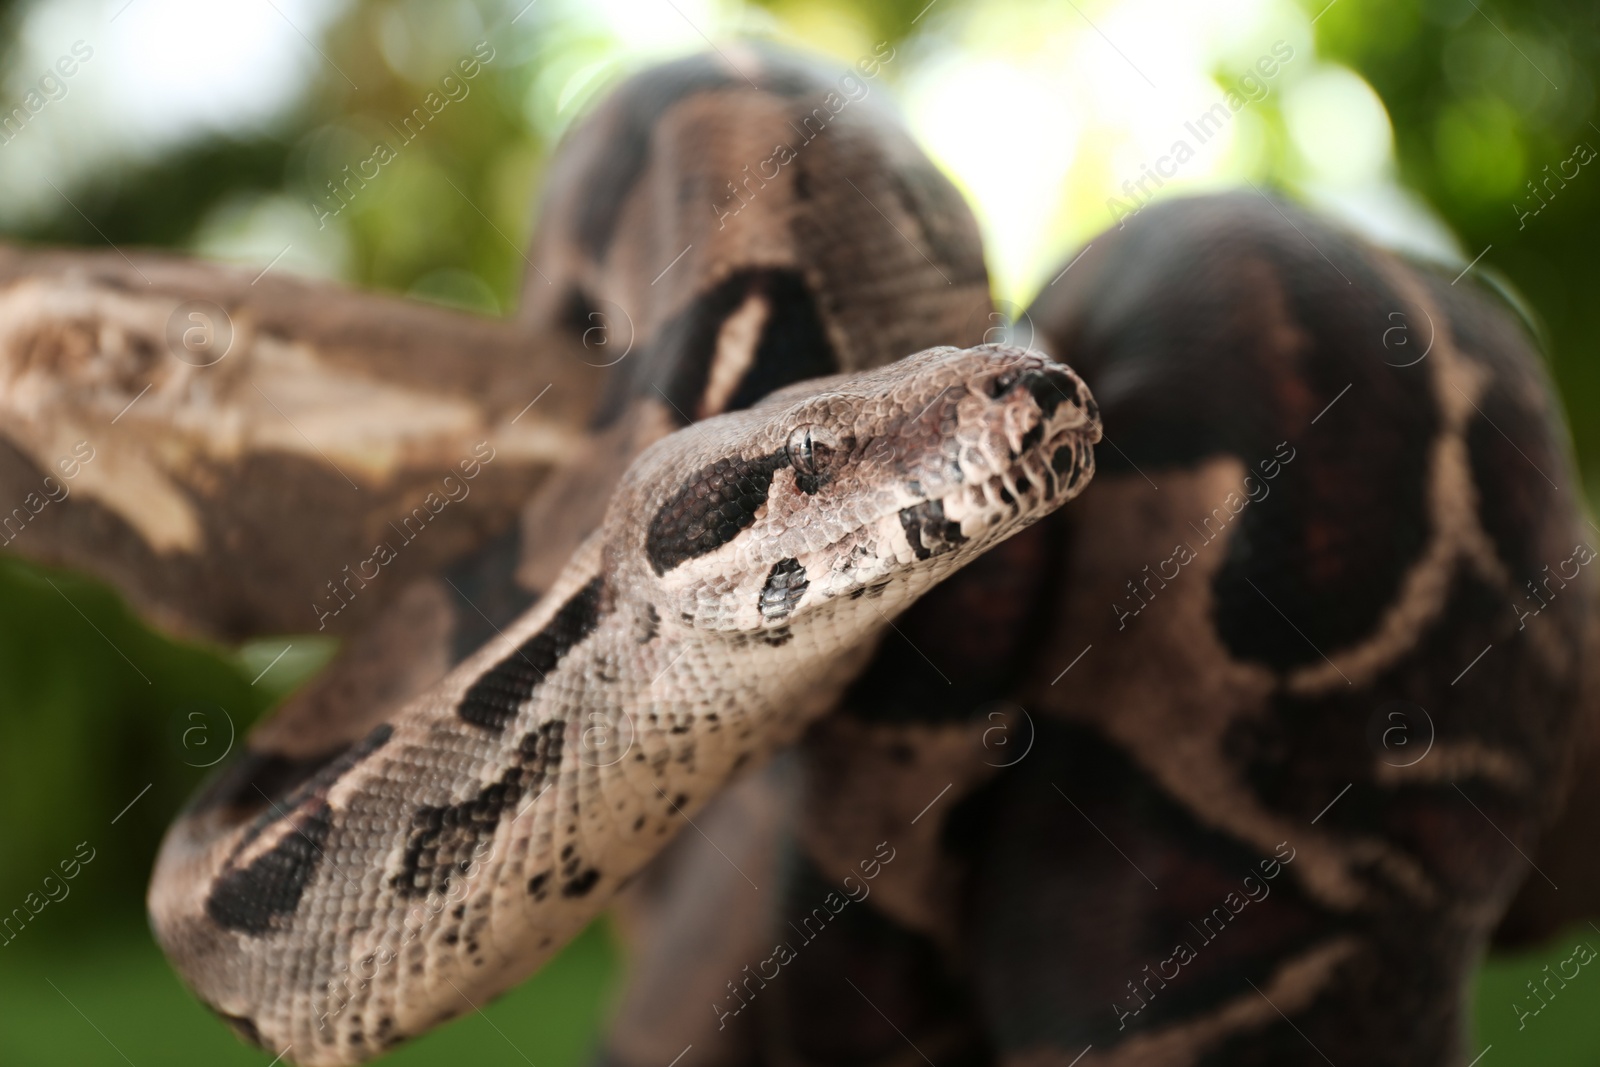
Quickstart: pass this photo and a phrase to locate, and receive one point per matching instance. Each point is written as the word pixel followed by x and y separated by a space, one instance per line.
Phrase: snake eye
pixel 811 449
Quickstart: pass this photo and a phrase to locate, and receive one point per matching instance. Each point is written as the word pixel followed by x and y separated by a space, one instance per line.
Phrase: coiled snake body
pixel 1160 717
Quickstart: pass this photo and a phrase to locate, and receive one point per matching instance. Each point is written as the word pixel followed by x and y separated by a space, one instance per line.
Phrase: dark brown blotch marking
pixel 493 700
pixel 716 503
pixel 678 365
pixel 256 779
pixel 786 585
pixel 248 899
pixel 241 783
pixel 1065 462
pixel 794 342
pixel 929 532
pixel 1049 388
pixel 581 884
pixel 445 839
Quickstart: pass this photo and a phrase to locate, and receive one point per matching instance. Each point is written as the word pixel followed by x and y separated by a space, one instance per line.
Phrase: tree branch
pixel 230 450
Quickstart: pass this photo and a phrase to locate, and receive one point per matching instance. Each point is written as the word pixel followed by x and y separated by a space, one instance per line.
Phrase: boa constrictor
pixel 733 588
pixel 1125 782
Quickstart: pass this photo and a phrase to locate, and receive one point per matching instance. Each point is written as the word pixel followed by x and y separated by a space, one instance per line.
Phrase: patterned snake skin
pixel 743 569
pixel 1237 760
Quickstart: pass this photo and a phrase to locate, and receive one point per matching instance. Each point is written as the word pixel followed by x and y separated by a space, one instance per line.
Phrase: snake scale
pixel 1114 784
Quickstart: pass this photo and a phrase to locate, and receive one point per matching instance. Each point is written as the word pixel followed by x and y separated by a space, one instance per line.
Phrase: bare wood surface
pixel 242 453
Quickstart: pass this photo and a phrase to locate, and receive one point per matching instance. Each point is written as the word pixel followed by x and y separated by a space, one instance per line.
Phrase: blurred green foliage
pixel 1484 97
pixel 95 708
pixel 113 1000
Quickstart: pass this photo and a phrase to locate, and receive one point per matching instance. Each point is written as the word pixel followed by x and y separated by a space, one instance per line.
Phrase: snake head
pixel 872 485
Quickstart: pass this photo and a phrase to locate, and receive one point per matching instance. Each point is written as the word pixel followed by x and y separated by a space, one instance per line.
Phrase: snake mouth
pixel 1044 425
pixel 1022 492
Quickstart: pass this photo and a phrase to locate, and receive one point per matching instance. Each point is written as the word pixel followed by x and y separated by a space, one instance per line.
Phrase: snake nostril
pixel 1049 388
pixel 1002 383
